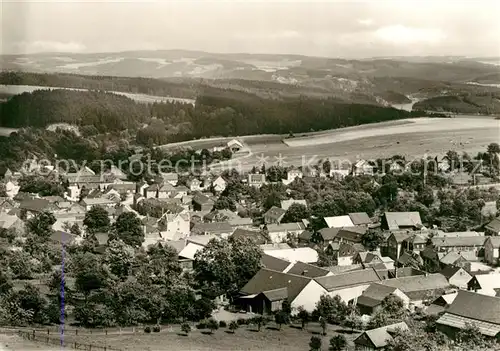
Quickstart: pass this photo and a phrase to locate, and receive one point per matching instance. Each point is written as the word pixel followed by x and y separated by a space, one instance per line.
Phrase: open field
pixel 245 338
pixel 423 136
pixel 13 342
pixel 19 89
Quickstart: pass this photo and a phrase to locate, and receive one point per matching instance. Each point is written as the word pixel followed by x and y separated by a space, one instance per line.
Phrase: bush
pixel 147 330
pixel 201 325
pixel 186 328
pixel 241 321
pixel 156 329
pixel 222 324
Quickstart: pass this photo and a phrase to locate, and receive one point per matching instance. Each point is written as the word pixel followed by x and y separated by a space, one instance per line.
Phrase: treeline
pixel 122 84
pixel 106 111
pixel 485 103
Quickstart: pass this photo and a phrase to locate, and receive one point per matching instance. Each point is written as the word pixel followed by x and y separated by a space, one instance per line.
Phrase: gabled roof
pixel 458 241
pixel 249 234
pixel 488 282
pixel 476 306
pixel 381 336
pixel 275 213
pixel 375 294
pixel 451 258
pixel 414 285
pixel 190 250
pixel 360 218
pixel 276 294
pixel 339 222
pixel 202 199
pixel 212 228
pixel 308 270
pixel 450 271
pixel 35 205
pixel 61 237
pixel 278 228
pixel 400 236
pixel 352 234
pixel 494 225
pixel 328 234
pixel 274 263
pixel 395 220
pixel 349 279
pixel 266 280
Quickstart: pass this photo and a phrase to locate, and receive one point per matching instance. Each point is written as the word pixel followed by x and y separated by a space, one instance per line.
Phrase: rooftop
pixel 348 279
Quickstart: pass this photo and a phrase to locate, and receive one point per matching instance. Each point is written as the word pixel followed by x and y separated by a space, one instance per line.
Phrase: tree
pixel 470 335
pixel 119 257
pixel 75 229
pixel 259 321
pixel 41 225
pixel 337 343
pixel 295 213
pixel 225 203
pixel 493 148
pixel 96 220
pixel 315 343
pixel 426 196
pixel 185 328
pixel 352 321
pixel 225 266
pixel 393 306
pixel 281 318
pixel 304 317
pixel 212 325
pixel 129 229
pixel 372 239
pixel 333 309
pixel 20 264
pixel 233 326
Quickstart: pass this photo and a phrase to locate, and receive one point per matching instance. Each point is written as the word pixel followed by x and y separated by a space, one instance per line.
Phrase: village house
pixel 285 204
pixel 347 252
pixel 442 303
pixel 326 235
pixel 100 201
pixel 401 221
pixel 292 174
pixel 370 259
pixel 33 206
pixel 454 259
pixel 351 235
pixel 339 221
pixel 349 286
pixel 378 339
pixel 175 226
pixel 362 167
pixel 11 222
pixel 202 202
pixel 360 219
pixel 493 227
pixel 471 308
pixel 274 263
pixel 172 178
pixel 219 216
pixel 234 145
pixel 307 270
pixel 457 276
pixel 274 215
pixel 254 235
pixel 371 299
pixel 485 284
pixel 280 232
pixel 256 179
pixel 414 243
pixel 471 247
pixel 491 250
pixel 420 288
pixel 166 190
pixel 395 244
pixel 219 184
pixel 195 184
pixel 222 229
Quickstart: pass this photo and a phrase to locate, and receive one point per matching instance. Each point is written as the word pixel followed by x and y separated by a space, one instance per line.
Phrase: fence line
pixel 48 340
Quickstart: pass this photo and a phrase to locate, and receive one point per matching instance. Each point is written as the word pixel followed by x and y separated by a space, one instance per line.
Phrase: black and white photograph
pixel 249 175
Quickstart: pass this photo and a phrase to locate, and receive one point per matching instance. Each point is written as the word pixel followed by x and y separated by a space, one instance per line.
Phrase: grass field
pixel 246 338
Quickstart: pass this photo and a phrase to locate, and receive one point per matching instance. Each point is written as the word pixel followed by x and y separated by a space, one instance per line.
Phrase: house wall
pixel 351 293
pixel 491 254
pixel 308 297
pixel 460 279
pixel 402 296
pixel 345 260
pixel 278 237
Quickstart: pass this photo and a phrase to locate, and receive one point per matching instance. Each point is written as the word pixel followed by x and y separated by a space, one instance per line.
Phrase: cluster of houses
pixel 183 216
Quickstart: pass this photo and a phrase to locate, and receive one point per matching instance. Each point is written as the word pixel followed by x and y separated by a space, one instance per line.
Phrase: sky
pixel 322 28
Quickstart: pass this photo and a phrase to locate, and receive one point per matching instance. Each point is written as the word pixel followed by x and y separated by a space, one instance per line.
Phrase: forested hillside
pixel 221 113
pixel 472 104
pixel 105 111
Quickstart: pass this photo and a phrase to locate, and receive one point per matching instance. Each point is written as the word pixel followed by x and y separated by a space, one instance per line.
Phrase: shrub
pixel 212 325
pixel 156 329
pixel 186 328
pixel 201 325
pixel 147 330
pixel 241 321
pixel 222 324
pixel 233 326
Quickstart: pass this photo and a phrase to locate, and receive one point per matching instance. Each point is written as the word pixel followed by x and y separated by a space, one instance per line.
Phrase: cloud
pixel 365 22
pixel 399 34
pixel 48 46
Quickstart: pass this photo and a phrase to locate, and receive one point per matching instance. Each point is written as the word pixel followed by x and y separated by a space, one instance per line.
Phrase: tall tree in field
pixel 97 220
pixel 225 266
pixel 129 229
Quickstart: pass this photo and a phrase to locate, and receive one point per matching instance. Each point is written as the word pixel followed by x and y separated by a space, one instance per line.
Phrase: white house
pixel 292 174
pixel 175 226
pixel 302 254
pixel 491 250
pixel 279 232
pixel 195 184
pixel 485 284
pixel 219 184
pixel 339 221
pixel 171 178
pixel 362 167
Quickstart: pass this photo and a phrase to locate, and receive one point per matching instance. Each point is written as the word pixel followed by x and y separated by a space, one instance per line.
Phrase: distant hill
pixel 468 104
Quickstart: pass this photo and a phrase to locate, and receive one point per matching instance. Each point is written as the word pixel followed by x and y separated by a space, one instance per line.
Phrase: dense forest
pixel 220 113
pixel 487 103
pixel 105 111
